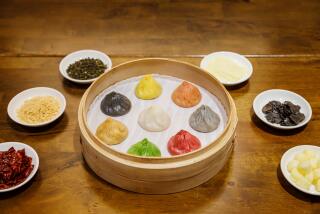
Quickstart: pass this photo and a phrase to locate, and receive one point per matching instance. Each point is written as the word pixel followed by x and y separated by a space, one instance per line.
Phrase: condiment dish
pixel 82 54
pixel 231 55
pixel 17 101
pixel 281 95
pixel 288 156
pixel 29 152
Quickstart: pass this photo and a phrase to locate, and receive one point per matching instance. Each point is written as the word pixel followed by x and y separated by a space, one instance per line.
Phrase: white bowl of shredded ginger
pixel 228 67
pixel 36 106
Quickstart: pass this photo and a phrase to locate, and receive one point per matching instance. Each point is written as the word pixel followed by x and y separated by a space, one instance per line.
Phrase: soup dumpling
pixel 148 88
pixel 144 148
pixel 186 95
pixel 183 142
pixel 154 119
pixel 112 131
pixel 204 119
pixel 115 104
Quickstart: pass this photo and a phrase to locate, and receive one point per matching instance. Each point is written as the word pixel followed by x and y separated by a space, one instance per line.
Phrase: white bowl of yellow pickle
pixel 300 165
pixel 36 107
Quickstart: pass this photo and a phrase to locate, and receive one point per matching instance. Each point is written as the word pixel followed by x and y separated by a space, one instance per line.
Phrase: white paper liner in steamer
pixel 179 116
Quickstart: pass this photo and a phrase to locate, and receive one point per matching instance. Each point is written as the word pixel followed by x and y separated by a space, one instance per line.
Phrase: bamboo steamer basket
pixel 157 175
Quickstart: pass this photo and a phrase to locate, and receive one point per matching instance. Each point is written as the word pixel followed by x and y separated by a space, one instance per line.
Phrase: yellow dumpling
pixel 148 88
pixel 112 131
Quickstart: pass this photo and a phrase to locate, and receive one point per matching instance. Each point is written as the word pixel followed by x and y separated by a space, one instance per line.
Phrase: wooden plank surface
pixel 282 35
pixel 159 28
pixel 249 183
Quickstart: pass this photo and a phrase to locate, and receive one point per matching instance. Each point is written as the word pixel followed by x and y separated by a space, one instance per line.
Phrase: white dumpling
pixel 154 119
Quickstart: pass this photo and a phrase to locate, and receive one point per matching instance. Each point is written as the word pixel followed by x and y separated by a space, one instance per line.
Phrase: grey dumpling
pixel 204 119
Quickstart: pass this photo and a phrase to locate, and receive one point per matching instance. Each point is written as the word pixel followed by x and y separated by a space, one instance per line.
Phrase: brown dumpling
pixel 186 95
pixel 112 131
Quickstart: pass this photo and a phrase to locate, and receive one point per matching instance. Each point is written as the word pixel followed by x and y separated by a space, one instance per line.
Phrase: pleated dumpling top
pixel 148 88
pixel 186 95
pixel 204 119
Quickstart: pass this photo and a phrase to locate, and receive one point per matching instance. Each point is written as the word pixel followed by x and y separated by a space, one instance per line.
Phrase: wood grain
pixel 159 28
pixel 284 35
pixel 250 183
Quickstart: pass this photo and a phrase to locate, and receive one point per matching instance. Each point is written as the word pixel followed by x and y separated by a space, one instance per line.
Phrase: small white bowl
pixel 288 156
pixel 29 152
pixel 82 54
pixel 234 56
pixel 281 95
pixel 17 101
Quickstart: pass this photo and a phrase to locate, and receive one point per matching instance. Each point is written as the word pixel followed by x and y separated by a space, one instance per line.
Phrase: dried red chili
pixel 183 142
pixel 15 167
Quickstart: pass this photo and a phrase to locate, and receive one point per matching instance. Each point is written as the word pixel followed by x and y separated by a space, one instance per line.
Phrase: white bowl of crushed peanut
pixel 36 106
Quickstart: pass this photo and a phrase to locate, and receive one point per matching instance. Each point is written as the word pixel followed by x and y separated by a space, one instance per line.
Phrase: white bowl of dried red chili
pixel 30 152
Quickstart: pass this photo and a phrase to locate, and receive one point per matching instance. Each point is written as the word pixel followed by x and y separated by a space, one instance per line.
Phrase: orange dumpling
pixel 186 95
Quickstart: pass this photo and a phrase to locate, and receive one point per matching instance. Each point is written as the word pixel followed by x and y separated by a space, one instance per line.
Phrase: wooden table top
pixel 281 39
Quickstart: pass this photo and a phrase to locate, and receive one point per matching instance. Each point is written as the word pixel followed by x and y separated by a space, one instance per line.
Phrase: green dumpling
pixel 144 148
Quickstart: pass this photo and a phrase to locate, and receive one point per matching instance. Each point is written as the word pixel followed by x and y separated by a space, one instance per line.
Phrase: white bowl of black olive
pixel 84 66
pixel 282 109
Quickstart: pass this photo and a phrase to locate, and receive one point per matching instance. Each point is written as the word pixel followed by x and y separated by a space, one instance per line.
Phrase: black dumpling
pixel 115 104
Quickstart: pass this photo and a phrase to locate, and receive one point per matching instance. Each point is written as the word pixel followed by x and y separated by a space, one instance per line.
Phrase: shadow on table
pixel 245 85
pixel 197 197
pixel 52 125
pixel 67 84
pixel 77 147
pixel 272 130
pixel 20 190
pixel 293 191
pixel 77 141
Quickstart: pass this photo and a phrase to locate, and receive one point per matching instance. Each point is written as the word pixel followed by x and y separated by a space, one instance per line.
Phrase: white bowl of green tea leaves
pixel 84 66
